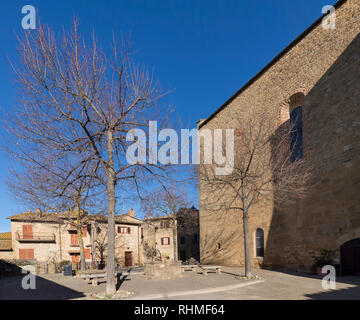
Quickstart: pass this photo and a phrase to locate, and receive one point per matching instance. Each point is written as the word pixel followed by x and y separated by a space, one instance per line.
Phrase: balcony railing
pixel 35 237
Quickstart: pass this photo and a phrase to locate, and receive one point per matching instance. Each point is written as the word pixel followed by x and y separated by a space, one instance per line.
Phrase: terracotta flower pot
pixel 319 271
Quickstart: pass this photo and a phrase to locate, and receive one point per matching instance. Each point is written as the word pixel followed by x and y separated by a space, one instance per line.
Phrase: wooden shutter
pixel 75 258
pixel 26 254
pixel 128 230
pixel 27 231
pixel 30 254
pixel 22 253
pixel 162 241
pixel 74 239
pixel 87 253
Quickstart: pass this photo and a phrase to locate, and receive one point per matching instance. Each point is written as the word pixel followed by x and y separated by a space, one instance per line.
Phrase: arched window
pixel 259 243
pixel 296 142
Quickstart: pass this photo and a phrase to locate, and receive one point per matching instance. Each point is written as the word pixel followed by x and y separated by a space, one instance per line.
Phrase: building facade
pixel 53 238
pixel 318 75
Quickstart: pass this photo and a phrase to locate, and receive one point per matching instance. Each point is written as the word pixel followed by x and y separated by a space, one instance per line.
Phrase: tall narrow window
pixel 296 143
pixel 259 243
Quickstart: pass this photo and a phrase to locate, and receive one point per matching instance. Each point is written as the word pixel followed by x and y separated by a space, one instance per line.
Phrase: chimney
pixel 131 213
pixel 150 214
pixel 38 211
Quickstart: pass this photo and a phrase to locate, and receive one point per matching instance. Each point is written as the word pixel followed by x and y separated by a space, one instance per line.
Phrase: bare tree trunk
pixel 246 245
pixel 81 240
pixel 81 245
pixel 175 240
pixel 93 245
pixel 246 233
pixel 110 188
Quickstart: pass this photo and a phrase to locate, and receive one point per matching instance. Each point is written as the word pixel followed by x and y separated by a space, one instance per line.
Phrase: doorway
pixel 350 258
pixel 128 259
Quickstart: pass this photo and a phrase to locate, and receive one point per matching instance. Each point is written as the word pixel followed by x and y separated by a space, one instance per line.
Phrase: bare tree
pixel 166 203
pixel 50 185
pixel 263 168
pixel 78 100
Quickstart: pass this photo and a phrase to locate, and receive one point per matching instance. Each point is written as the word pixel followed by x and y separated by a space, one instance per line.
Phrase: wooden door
pixel 75 258
pixel 128 259
pixel 350 258
pixel 27 231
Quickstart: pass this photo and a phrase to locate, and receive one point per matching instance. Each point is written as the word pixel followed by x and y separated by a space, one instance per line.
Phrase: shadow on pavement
pixel 11 289
pixel 352 293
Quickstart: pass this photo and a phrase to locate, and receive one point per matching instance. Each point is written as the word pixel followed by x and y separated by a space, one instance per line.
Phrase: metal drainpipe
pixel 60 242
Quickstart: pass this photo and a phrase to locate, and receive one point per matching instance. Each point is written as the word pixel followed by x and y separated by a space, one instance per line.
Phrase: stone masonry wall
pixel 325 67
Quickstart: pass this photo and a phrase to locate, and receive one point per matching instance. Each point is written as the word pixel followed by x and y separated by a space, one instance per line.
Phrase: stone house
pixel 52 237
pixel 158 235
pixel 317 76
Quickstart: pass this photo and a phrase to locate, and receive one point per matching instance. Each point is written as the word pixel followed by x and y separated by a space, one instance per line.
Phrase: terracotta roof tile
pixel 5 236
pixel 5 245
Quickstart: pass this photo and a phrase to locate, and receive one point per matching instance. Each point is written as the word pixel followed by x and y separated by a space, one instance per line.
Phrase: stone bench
pixel 187 267
pixel 96 276
pixel 215 268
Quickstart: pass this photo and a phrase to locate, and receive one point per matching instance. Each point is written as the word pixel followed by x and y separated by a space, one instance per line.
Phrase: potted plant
pixel 325 258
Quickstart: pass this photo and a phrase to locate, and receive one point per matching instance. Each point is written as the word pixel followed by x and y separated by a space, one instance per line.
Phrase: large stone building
pixel 319 73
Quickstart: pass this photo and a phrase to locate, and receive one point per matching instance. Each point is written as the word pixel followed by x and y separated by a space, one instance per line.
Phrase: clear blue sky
pixel 204 50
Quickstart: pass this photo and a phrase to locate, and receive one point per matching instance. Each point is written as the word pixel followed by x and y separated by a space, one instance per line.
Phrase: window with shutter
pixel 87 253
pixel 74 240
pixel 26 254
pixel 128 230
pixel 27 231
pixel 123 230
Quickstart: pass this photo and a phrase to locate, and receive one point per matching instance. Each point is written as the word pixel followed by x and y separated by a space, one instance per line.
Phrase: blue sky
pixel 203 50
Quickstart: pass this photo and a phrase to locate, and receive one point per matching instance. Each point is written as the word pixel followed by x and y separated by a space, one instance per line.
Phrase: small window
pixel 124 230
pixel 87 253
pixel 165 241
pixel 74 240
pixel 27 231
pixel 260 243
pixel 26 254
pixel 164 224
pixel 219 246
pixel 296 143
